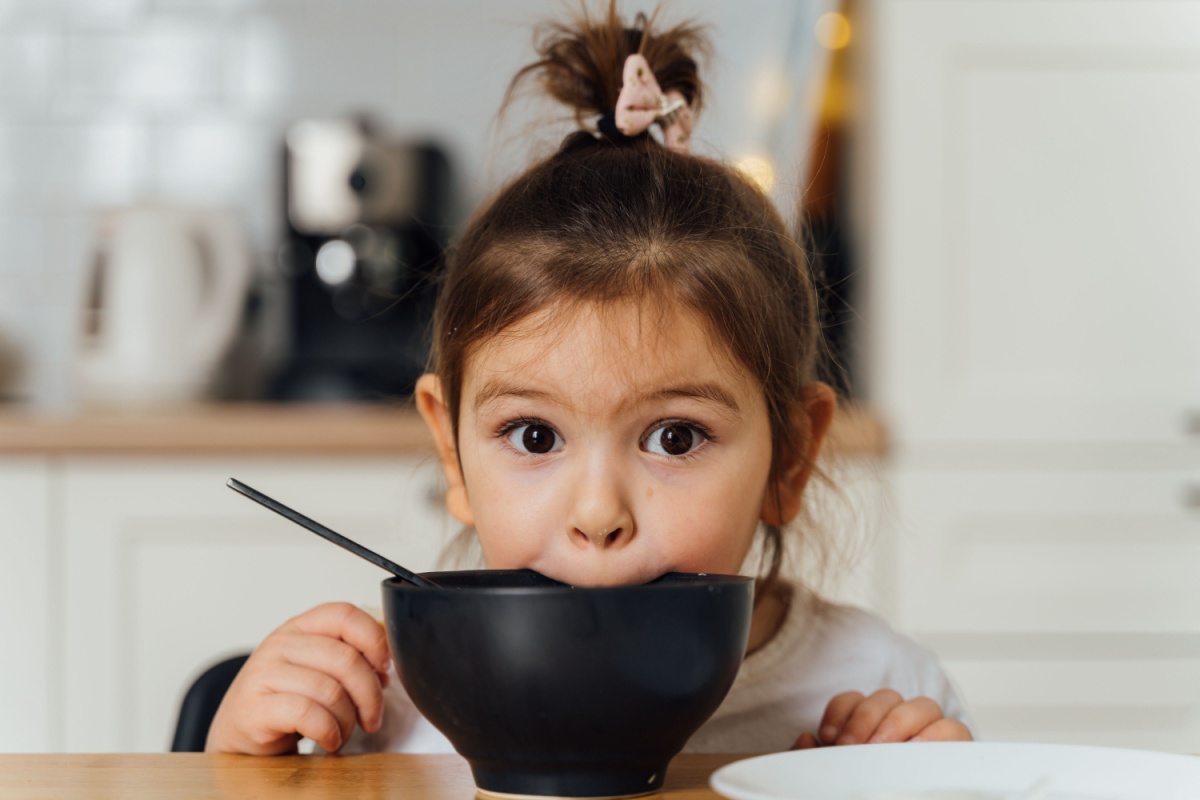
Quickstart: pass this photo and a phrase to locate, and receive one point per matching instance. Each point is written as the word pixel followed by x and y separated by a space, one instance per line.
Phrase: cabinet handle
pixel 1191 497
pixel 1191 423
pixel 435 496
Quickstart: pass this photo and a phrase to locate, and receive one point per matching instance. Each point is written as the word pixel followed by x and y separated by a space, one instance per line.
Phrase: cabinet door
pixel 167 570
pixel 28 630
pixel 1032 206
pixel 1064 603
pixel 1049 552
pixel 1141 693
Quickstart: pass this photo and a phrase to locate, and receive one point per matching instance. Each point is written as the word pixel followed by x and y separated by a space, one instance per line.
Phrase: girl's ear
pixel 432 405
pixel 810 421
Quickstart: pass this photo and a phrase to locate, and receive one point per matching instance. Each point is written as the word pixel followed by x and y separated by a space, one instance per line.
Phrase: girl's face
pixel 608 447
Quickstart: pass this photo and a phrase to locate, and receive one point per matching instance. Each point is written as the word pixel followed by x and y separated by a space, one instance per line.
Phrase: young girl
pixel 625 353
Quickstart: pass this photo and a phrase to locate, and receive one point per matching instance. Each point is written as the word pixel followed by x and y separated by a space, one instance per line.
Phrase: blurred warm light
pixel 770 93
pixel 758 169
pixel 335 262
pixel 832 30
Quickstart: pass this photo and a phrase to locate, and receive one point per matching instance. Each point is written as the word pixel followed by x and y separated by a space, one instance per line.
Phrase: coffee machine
pixel 367 220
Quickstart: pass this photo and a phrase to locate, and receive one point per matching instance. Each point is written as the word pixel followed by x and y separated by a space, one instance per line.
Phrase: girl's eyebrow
pixel 498 389
pixel 709 392
pixel 698 391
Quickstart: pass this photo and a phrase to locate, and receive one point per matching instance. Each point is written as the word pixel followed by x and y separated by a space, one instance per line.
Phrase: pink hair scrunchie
pixel 642 104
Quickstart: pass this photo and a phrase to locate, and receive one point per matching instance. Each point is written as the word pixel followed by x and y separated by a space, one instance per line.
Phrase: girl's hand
pixel 314 676
pixel 885 716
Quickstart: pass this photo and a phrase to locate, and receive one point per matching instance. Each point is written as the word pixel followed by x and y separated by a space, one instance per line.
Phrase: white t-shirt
pixel 781 691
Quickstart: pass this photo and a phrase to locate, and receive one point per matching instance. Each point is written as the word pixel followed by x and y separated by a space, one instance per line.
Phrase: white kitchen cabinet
pixel 166 570
pixel 1029 185
pixel 1041 551
pixel 1141 693
pixel 1065 604
pixel 1026 188
pixel 28 573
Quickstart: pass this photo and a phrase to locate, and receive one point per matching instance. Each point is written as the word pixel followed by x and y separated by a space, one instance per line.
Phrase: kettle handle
pixel 221 307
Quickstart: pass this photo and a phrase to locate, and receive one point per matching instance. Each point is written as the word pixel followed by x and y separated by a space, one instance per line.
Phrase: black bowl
pixel 547 689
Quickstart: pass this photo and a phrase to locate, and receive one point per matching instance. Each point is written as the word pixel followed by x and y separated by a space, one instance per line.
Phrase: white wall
pixel 112 102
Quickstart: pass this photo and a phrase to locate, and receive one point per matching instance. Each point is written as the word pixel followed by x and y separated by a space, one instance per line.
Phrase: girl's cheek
pixel 730 528
pixel 696 536
pixel 516 515
pixel 710 552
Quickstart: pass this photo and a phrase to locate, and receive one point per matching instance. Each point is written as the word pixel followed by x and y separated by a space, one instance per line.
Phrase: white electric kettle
pixel 168 288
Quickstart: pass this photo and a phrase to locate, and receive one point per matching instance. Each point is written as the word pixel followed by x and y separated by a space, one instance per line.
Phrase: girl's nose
pixel 603 539
pixel 600 517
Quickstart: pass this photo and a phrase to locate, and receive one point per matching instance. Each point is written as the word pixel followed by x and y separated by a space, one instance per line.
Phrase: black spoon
pixel 333 536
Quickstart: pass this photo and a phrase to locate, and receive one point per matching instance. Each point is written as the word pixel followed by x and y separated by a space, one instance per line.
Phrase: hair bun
pixel 581 62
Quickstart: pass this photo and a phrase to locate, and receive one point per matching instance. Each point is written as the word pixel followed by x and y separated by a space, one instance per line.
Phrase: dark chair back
pixel 200 705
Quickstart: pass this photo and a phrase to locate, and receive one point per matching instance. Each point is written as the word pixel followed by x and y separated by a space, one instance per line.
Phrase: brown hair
pixel 602 221
pixel 581 63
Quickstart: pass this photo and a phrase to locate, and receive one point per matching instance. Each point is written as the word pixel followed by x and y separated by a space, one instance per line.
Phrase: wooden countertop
pixel 221 429
pixel 197 776
pixel 277 430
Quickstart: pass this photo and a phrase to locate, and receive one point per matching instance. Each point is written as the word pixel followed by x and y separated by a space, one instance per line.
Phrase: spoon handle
pixel 331 535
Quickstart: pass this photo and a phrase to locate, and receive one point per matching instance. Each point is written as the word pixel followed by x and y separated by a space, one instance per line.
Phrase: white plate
pixel 961 771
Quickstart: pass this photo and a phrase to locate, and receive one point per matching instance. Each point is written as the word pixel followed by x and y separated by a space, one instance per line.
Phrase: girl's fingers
pixel 344 664
pixel 906 720
pixel 287 678
pixel 313 676
pixel 281 714
pixel 806 742
pixel 944 730
pixel 349 623
pixel 867 715
pixel 836 714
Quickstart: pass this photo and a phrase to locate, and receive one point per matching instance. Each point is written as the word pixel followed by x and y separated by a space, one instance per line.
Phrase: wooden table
pixel 174 776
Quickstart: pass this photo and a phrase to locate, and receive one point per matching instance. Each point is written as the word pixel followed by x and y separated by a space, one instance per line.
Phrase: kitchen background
pixel 1005 190
pixel 112 103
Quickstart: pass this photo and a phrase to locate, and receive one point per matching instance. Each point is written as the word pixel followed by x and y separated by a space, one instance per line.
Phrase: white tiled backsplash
pixel 113 102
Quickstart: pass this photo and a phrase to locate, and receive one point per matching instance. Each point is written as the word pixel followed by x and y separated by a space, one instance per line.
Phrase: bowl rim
pixel 705 579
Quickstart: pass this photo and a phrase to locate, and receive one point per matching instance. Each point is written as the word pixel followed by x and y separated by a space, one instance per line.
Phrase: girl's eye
pixel 673 439
pixel 534 438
